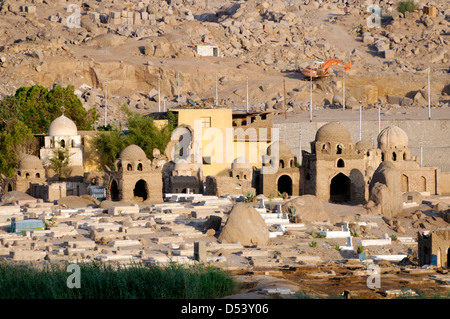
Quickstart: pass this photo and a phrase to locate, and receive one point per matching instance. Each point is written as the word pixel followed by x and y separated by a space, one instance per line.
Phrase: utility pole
pixel 310 97
pixel 429 95
pixel 106 102
pixel 285 108
pixel 247 94
pixel 178 80
pixel 379 118
pixel 360 121
pixel 217 94
pixel 159 95
pixel 343 90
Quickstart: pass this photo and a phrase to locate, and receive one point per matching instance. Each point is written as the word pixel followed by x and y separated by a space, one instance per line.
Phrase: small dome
pixel 241 163
pixel 62 126
pixel 132 153
pixel 182 165
pixel 283 149
pixel 363 145
pixel 333 132
pixel 30 162
pixel 392 137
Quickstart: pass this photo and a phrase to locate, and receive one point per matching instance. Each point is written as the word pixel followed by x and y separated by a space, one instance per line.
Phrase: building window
pixel 339 149
pixel 206 121
pixel 129 167
pixel 206 160
pixel 139 167
pixel 340 163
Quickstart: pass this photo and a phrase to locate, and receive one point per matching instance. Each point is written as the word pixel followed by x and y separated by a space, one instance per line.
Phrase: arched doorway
pixel 448 258
pixel 114 190
pixel 404 184
pixel 340 188
pixel 284 184
pixel 140 189
pixel 9 188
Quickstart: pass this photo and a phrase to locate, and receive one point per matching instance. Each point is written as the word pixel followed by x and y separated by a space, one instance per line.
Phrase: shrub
pixel 101 281
pixel 404 6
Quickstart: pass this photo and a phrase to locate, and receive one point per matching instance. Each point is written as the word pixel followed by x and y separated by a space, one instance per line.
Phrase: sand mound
pixel 245 225
pixel 78 201
pixel 308 208
pixel 13 196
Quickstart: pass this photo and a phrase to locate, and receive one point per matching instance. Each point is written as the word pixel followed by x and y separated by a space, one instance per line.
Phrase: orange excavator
pixel 320 69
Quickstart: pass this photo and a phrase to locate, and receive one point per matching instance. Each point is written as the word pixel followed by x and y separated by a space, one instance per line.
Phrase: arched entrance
pixel 9 188
pixel 285 184
pixel 340 189
pixel 140 189
pixel 114 190
pixel 404 184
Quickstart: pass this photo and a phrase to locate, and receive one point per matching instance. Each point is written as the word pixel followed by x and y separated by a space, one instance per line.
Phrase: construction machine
pixel 320 69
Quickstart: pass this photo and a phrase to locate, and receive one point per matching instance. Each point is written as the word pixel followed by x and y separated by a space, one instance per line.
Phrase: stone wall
pixel 430 134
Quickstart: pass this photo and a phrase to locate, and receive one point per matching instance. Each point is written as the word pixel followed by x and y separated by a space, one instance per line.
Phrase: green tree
pixel 60 162
pixel 109 145
pixel 38 107
pixel 15 142
pixel 142 131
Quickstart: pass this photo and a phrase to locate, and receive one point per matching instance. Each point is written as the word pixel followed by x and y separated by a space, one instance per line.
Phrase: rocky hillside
pixel 131 49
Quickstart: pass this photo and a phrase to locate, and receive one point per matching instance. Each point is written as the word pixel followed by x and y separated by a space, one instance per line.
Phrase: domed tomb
pixel 333 132
pixel 30 162
pixel 133 153
pixel 62 126
pixel 392 137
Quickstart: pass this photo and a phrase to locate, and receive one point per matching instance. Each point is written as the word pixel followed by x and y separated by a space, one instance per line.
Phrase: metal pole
pixel 429 95
pixel 159 96
pixel 178 80
pixel 106 102
pixel 379 118
pixel 300 148
pixel 284 88
pixel 360 121
pixel 310 97
pixel 247 94
pixel 217 93
pixel 343 90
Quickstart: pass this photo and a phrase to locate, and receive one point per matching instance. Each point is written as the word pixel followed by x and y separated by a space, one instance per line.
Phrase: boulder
pixel 245 225
pixel 384 189
pixel 308 208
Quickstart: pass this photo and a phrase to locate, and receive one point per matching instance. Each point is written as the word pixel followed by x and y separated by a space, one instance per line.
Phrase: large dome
pixel 283 149
pixel 333 132
pixel 241 163
pixel 62 126
pixel 392 137
pixel 133 153
pixel 363 145
pixel 30 162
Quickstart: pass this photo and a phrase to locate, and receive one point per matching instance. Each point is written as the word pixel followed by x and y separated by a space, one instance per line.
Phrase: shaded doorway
pixel 285 184
pixel 9 188
pixel 140 189
pixel 114 191
pixel 340 189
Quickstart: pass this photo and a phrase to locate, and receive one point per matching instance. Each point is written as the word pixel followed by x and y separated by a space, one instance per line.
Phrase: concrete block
pixel 123 210
pixel 27 255
pixel 124 243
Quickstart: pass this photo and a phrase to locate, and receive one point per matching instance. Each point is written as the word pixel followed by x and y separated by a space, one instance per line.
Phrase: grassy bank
pixel 101 281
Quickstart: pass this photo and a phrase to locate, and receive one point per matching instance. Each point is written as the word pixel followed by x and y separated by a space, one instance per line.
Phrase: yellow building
pixel 225 136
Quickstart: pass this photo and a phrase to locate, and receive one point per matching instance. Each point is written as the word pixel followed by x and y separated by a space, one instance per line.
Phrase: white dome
pixel 62 126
